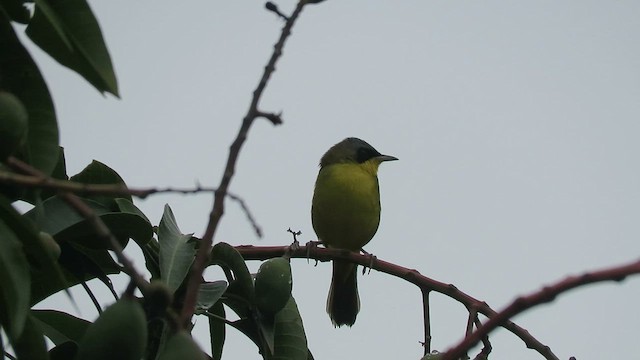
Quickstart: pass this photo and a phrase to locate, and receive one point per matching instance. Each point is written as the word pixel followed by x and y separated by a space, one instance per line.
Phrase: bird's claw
pixel 372 259
pixel 312 245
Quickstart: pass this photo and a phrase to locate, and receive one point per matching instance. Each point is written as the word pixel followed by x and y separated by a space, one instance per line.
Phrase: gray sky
pixel 516 125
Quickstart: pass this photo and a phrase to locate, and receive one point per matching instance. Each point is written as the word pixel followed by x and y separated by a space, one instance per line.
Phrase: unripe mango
pixel 158 297
pixel 181 347
pixel 119 333
pixel 273 285
pixel 13 124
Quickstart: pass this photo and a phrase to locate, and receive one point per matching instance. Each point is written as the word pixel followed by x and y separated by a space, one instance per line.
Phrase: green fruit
pixel 119 333
pixel 158 297
pixel 273 285
pixel 433 356
pixel 13 124
pixel 181 347
pixel 50 244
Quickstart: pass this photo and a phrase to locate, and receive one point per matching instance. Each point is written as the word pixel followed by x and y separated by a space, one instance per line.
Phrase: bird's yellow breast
pixel 346 205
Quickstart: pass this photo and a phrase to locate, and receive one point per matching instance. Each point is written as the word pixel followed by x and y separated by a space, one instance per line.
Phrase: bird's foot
pixel 372 259
pixel 312 245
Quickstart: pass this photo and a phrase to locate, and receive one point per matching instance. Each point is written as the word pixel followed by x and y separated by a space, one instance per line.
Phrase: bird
pixel 345 214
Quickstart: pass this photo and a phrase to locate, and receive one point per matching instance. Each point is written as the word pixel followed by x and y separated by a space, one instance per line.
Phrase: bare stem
pixel 217 211
pixel 427 321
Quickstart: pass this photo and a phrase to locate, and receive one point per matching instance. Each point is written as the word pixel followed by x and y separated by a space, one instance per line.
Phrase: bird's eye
pixel 363 154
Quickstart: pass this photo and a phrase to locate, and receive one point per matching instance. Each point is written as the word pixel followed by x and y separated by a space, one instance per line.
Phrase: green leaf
pixel 64 351
pixel 208 294
pixel 99 173
pixel 78 264
pixel 37 195
pixel 217 330
pixel 126 205
pixel 14 282
pixel 16 10
pixel 151 252
pixel 55 217
pixel 21 76
pixel 267 327
pixel 60 327
pixel 249 328
pixel 290 341
pixel 240 293
pixel 59 173
pixel 31 343
pixel 83 257
pixel 69 32
pixel 36 251
pixel 177 251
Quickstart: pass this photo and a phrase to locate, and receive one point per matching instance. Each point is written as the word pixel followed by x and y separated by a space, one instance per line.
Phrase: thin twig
pixel 274 9
pixel 247 213
pixel 469 328
pixel 217 211
pixel 45 182
pixel 410 275
pixel 427 320
pixel 82 189
pixel 486 344
pixel 276 119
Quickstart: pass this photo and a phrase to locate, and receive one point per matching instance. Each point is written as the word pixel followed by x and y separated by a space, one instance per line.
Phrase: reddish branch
pixel 201 261
pixel 544 295
pixel 411 275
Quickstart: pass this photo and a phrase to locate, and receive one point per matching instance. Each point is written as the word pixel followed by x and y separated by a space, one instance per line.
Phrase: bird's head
pixel 354 151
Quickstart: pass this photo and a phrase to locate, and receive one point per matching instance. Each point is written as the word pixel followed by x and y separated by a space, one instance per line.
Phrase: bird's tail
pixel 343 302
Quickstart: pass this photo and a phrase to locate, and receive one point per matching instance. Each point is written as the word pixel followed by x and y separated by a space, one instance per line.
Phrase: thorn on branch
pixel 276 119
pixel 274 9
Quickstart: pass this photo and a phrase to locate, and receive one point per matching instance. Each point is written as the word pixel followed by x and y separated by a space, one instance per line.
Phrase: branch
pixel 45 182
pixel 544 295
pixel 202 257
pixel 411 275
pixel 427 322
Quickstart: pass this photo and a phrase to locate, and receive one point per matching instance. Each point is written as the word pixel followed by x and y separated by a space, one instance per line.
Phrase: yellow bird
pixel 345 214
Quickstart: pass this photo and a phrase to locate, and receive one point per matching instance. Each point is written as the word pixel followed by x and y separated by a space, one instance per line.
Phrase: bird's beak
pixel 382 158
